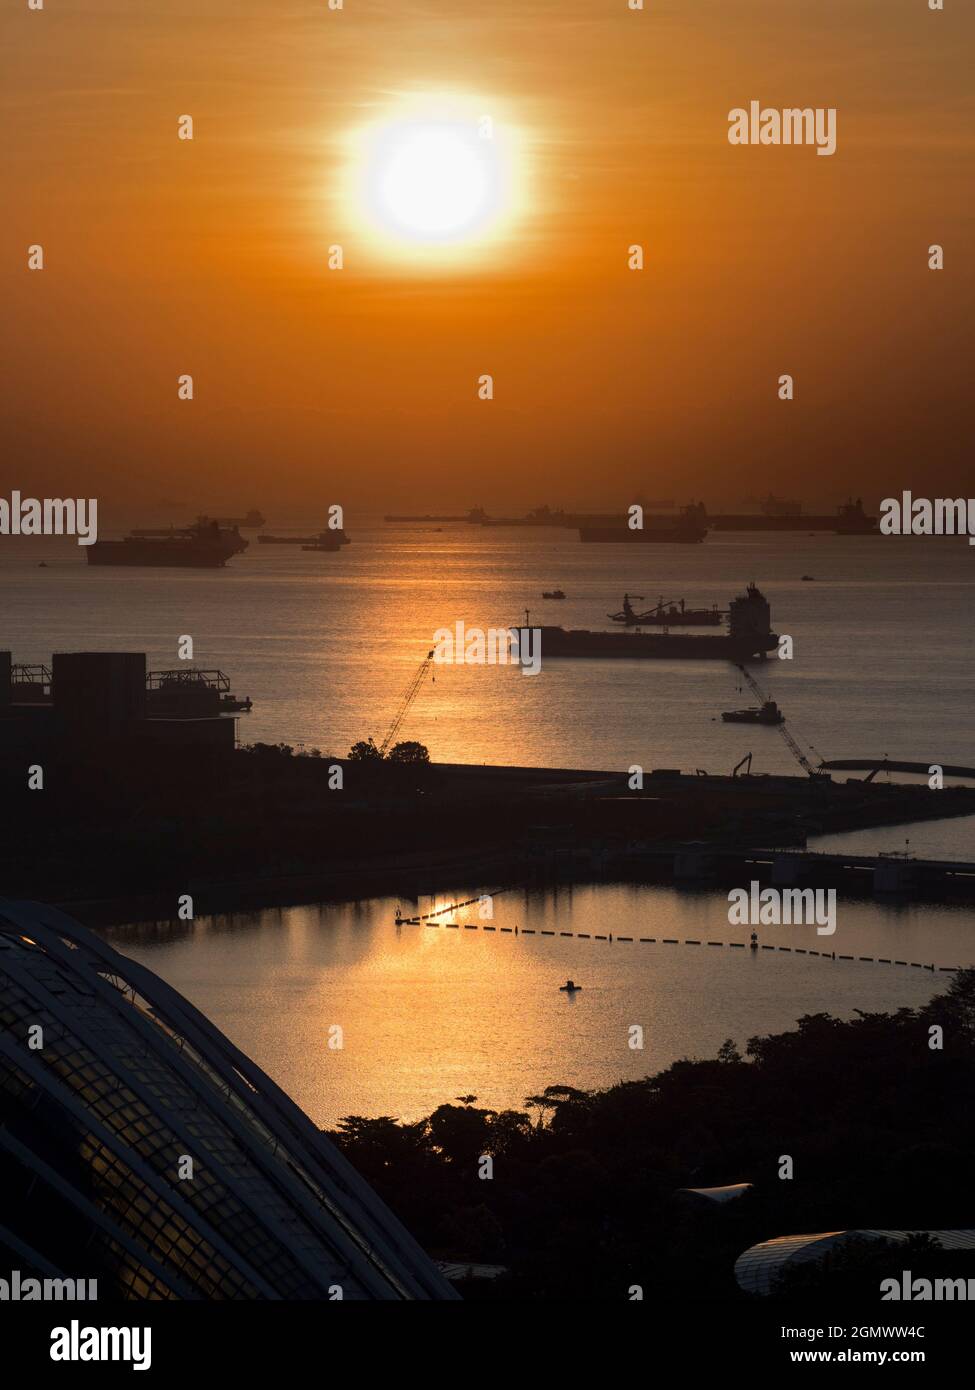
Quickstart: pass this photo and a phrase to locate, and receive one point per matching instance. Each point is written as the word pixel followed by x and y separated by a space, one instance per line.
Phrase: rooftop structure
pixel 757 1269
pixel 98 697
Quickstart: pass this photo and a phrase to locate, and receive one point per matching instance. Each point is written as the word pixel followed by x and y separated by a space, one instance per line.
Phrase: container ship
pixel 206 545
pixel 749 635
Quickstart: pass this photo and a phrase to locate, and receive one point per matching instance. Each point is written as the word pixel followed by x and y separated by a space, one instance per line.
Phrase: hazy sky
pixel 209 257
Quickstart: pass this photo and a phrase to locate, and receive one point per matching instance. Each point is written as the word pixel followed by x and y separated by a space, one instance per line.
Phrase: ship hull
pixel 865 526
pixel 743 717
pixel 653 646
pixel 166 554
pixel 621 535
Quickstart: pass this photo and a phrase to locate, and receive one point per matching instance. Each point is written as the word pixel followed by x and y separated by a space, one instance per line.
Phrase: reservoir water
pixel 324 645
pixel 431 1013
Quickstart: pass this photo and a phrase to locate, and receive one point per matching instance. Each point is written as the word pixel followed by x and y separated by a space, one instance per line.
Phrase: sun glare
pixel 433 180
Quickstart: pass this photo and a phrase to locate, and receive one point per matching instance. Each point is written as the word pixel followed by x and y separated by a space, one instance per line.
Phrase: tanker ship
pixel 688 527
pixel 749 635
pixel 206 544
pixel 848 520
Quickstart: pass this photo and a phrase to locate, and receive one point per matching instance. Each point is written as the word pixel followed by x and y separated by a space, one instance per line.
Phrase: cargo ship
pixel 749 635
pixel 547 516
pixel 538 516
pixel 475 516
pixel 206 545
pixel 688 527
pixel 325 540
pixel 848 520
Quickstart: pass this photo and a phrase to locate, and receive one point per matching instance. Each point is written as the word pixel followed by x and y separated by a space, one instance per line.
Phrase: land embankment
pixel 122 834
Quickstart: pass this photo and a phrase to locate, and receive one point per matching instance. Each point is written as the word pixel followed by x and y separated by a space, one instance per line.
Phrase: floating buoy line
pixel 610 938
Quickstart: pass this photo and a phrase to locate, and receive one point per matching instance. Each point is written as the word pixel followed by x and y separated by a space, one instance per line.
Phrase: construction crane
pixel 409 695
pixel 793 747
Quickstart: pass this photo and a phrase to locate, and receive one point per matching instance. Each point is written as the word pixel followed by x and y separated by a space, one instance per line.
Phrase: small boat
pixel 808 578
pixel 769 713
pixel 553 593
pixel 569 987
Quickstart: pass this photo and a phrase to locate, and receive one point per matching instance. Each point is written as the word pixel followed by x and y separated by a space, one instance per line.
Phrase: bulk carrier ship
pixel 206 545
pixel 688 527
pixel 749 635
pixel 848 520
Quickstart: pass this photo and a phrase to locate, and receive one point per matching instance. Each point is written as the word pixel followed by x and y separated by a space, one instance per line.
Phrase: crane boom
pixel 409 695
pixel 793 747
pixel 753 685
pixel 798 754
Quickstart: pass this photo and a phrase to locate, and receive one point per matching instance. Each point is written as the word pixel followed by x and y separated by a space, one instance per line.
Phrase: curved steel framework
pixel 758 1267
pixel 125 1081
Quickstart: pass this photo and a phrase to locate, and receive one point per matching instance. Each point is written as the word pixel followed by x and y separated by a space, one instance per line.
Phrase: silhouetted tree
pixel 587 1205
pixel 410 752
pixel 365 751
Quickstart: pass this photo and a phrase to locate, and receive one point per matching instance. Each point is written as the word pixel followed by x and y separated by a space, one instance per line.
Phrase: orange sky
pixel 359 386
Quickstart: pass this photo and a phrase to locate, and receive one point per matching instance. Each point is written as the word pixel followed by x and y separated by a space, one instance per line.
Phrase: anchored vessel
pixel 766 713
pixel 206 544
pixel 749 635
pixel 848 520
pixel 325 540
pixel 689 527
pixel 476 516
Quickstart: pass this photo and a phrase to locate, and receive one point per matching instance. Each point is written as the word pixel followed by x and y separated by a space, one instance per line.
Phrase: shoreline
pixel 124 839
pixel 474 872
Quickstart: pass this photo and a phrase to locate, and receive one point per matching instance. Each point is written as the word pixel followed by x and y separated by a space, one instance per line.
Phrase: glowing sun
pixel 433 177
